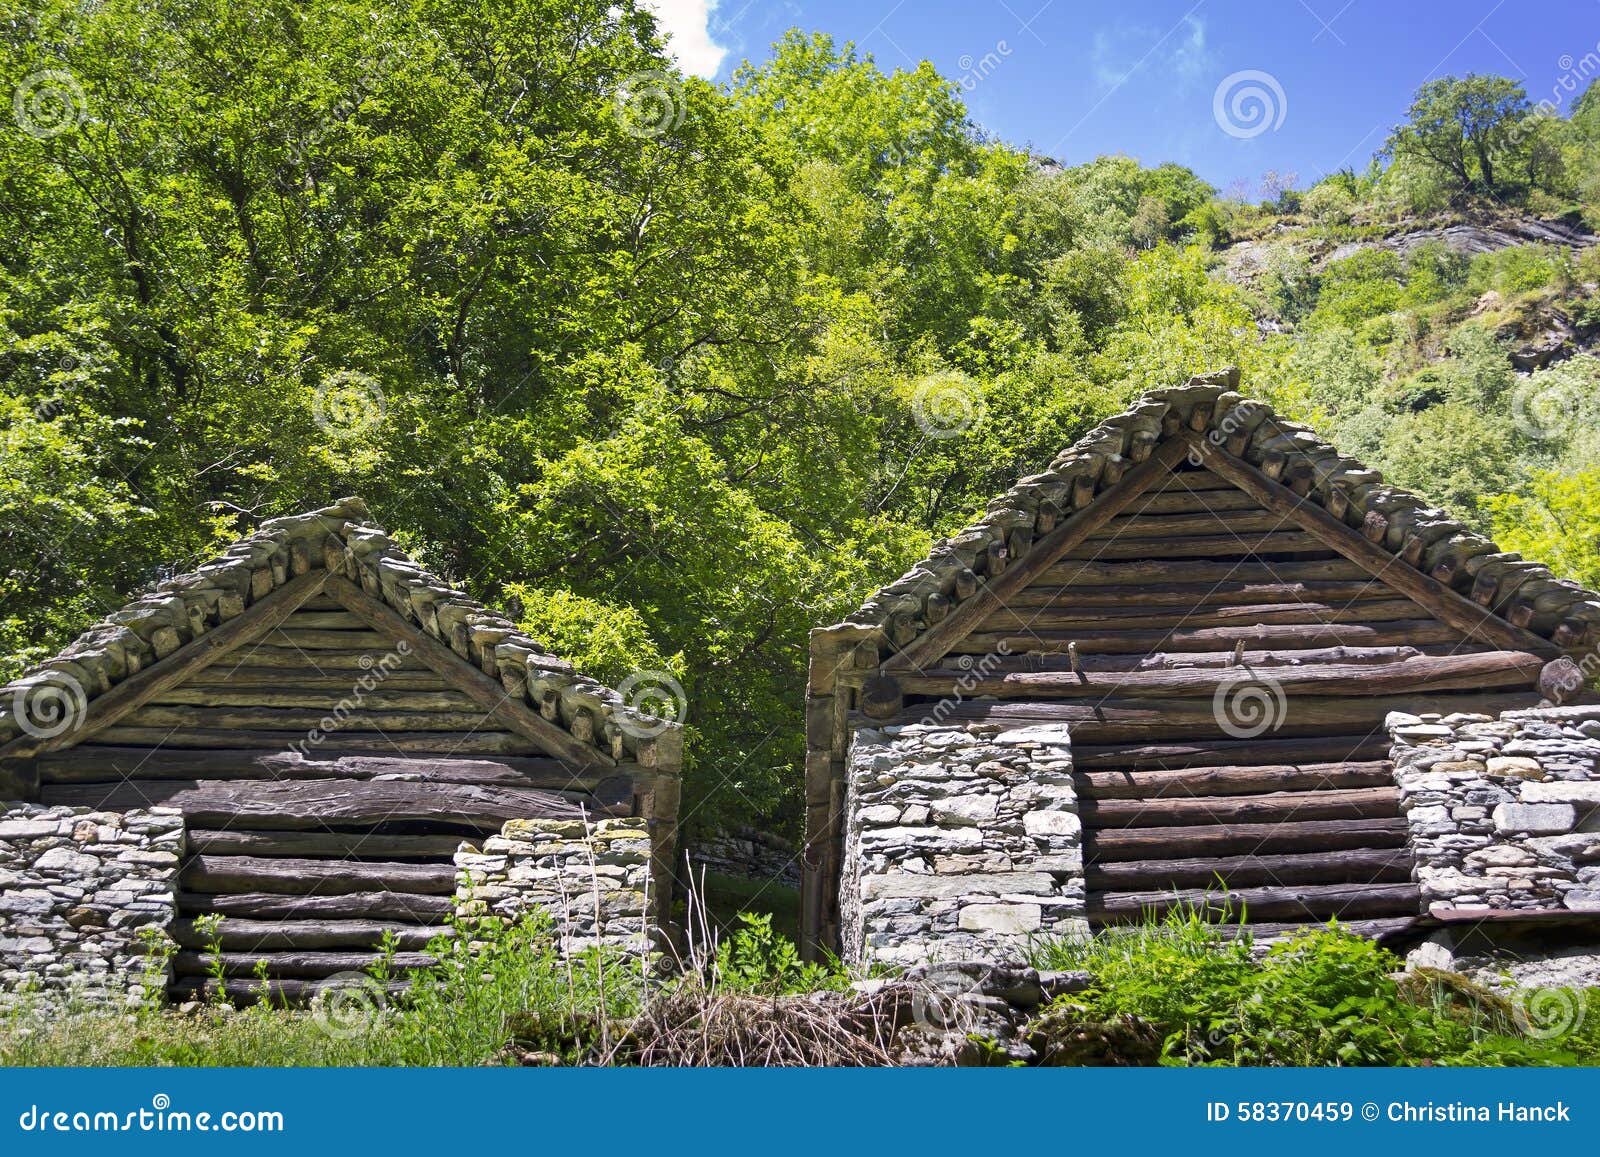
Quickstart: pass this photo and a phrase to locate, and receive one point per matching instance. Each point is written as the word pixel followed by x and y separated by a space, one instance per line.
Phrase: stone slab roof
pixel 1418 533
pixel 344 539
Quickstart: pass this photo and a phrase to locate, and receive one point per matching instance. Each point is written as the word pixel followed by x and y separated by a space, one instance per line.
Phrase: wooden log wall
pixel 312 853
pixel 1136 635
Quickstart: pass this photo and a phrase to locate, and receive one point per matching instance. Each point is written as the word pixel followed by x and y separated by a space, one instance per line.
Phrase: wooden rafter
pixel 138 689
pixel 1433 596
pixel 934 643
pixel 484 690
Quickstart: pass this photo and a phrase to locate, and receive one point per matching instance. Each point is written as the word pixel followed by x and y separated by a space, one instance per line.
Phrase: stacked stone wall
pixel 962 842
pixel 78 888
pixel 1504 812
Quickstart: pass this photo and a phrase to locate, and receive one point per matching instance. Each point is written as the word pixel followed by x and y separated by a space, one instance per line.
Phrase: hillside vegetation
pixel 676 372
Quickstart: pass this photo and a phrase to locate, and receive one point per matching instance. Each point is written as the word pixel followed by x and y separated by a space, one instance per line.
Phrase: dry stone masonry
pixel 1504 813
pixel 592 878
pixel 963 843
pixel 77 888
pixel 756 855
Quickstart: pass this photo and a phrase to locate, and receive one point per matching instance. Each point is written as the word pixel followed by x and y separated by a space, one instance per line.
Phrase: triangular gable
pixel 1291 476
pixel 331 570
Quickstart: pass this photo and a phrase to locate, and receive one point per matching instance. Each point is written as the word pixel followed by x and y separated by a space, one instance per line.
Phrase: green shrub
pixel 754 958
pixel 1179 991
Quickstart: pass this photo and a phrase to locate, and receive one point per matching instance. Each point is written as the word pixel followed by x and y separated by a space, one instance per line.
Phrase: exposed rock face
pixel 1504 813
pixel 76 889
pixel 591 878
pixel 963 843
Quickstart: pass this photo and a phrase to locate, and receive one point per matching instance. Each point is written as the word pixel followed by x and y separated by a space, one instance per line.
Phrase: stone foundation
pixel 1504 813
pixel 77 888
pixel 962 842
pixel 592 878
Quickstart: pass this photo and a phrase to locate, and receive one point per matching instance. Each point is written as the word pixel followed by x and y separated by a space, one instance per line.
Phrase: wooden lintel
pixel 136 690
pixel 485 690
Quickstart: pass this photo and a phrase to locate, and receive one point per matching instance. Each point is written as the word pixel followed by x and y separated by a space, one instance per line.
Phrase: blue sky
pixel 1323 79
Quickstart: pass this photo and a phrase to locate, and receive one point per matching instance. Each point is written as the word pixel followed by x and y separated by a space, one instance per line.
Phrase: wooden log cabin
pixel 1196 544
pixel 332 720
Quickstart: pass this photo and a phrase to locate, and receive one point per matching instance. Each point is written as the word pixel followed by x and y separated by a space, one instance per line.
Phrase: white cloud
pixel 1180 54
pixel 687 24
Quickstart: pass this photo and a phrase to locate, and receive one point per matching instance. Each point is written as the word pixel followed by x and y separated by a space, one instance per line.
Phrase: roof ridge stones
pixel 1419 534
pixel 344 540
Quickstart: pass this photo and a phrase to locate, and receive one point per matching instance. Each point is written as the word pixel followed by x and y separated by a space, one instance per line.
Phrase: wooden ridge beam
pixel 1218 781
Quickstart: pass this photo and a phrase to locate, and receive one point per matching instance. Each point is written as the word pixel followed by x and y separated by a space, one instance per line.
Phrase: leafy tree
pixel 1467 130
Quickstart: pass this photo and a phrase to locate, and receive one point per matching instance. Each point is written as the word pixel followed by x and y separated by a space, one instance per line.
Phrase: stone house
pixel 318 741
pixel 1201 659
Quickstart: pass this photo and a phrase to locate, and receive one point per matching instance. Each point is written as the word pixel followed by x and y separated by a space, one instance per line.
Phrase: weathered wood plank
pixel 1411 632
pixel 1073 618
pixel 241 630
pixel 439 742
pixel 1146 720
pixel 238 934
pixel 356 905
pixel 223 675
pixel 1217 781
pixel 1192 482
pixel 1243 839
pixel 385 698
pixel 1129 574
pixel 1218 594
pixel 1443 602
pixel 1176 811
pixel 315 803
pixel 289 876
pixel 1357 865
pixel 345 845
pixel 290 964
pixel 1351 748
pixel 1423 675
pixel 1141 523
pixel 316 640
pixel 1309 902
pixel 92 764
pixel 1283 542
pixel 265 658
pixel 1163 501
pixel 325 620
pixel 299 722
